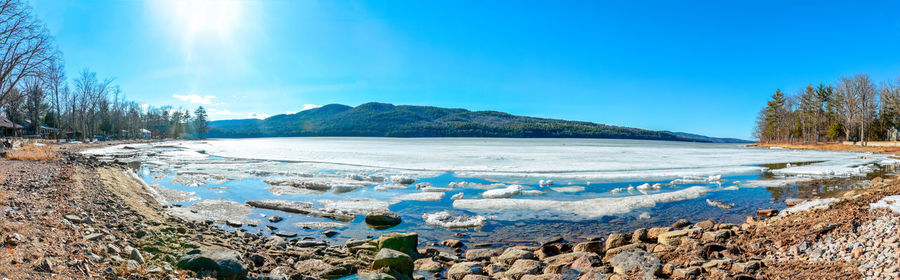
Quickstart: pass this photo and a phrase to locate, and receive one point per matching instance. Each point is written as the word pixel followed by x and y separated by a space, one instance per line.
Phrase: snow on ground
pixel 889 202
pixel 823 203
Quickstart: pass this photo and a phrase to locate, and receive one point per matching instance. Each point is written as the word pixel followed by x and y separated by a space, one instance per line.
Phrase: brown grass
pixel 32 152
pixel 833 147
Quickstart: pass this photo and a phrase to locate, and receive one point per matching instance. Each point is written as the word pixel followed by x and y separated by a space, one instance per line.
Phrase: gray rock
pixel 74 218
pixel 382 219
pixel 132 266
pixel 460 270
pixel 136 256
pixel 636 262
pixel 481 254
pixel 394 260
pixel 275 219
pixel 511 255
pixel 523 267
pixel 93 236
pixel 226 263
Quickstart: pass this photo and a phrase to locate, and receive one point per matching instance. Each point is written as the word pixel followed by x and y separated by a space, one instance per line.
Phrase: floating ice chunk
pixel 422 196
pixel 720 204
pixel 644 186
pixel 319 225
pixel 434 189
pixel 476 185
pixel 390 186
pixel 507 192
pixel 568 189
pixel 457 196
pixel 888 202
pixel 423 185
pixel 697 180
pixel 575 210
pixel 644 216
pixel 731 188
pixel 215 210
pixel 775 182
pixel 402 179
pixel 808 205
pixel 358 206
pixel 630 189
pixel 532 192
pixel 445 220
pixel 318 183
pixel 545 183
pixel 617 190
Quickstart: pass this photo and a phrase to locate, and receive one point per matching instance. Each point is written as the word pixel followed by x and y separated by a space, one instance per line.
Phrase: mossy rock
pixel 406 243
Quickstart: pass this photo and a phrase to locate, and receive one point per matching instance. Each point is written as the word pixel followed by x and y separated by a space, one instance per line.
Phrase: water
pixel 191 172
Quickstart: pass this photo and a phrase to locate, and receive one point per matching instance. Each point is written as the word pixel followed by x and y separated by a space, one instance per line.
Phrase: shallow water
pixel 237 170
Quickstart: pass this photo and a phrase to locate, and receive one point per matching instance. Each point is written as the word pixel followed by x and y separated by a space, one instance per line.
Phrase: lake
pixel 498 191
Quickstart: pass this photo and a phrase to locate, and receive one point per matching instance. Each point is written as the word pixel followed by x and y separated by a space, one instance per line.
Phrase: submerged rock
pixel 382 219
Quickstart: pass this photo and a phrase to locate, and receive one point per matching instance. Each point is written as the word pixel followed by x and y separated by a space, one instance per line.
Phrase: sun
pixel 203 18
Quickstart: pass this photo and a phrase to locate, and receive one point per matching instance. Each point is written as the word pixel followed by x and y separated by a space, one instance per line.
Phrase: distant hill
pixel 709 139
pixel 388 120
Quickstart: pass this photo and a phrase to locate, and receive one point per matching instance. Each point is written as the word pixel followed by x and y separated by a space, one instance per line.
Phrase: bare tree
pixel 26 47
pixel 847 104
pixel 55 80
pixel 34 96
pixel 866 91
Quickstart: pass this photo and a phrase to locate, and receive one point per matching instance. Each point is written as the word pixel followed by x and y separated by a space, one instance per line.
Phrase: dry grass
pixel 33 152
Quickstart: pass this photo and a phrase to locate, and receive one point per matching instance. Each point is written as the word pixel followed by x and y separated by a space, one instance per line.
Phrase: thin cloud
pixel 310 106
pixel 215 114
pixel 196 99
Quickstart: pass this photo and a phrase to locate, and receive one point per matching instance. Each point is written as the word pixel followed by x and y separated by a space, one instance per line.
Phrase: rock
pixel 382 219
pixel 745 267
pixel 722 263
pixel 428 264
pixel 454 243
pixel 404 242
pixel 93 236
pixel 615 240
pixel 566 259
pixel 136 256
pixel 510 255
pixel 681 223
pixel 586 261
pixel 310 243
pixel 686 272
pixel 280 273
pixel 639 235
pixel 132 266
pixel 330 233
pixel 636 262
pixel 481 254
pixel 522 267
pixel 654 233
pixel 460 270
pixel 672 238
pixel 589 247
pixel 767 213
pixel 708 224
pixel 74 218
pixel 375 276
pixel 544 252
pixel 715 236
pixel 275 219
pixel 233 223
pixel 226 263
pixel 394 260
pixel 286 234
pixel 615 251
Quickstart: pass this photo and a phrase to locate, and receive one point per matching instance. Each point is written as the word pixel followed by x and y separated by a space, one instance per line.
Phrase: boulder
pixel 672 238
pixel 653 233
pixel 589 247
pixel 225 263
pixel 616 240
pixel 512 254
pixel 613 252
pixel 136 256
pixel 460 270
pixel 481 254
pixel 636 262
pixel 428 264
pixel 586 262
pixel 382 219
pixel 639 235
pixel 714 236
pixel 523 267
pixel 708 224
pixel 681 223
pixel 394 260
pixel 404 242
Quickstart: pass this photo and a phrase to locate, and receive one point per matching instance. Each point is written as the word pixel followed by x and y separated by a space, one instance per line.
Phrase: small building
pixel 9 128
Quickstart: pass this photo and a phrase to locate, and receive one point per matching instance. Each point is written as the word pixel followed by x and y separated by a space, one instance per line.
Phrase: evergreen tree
pixel 201 122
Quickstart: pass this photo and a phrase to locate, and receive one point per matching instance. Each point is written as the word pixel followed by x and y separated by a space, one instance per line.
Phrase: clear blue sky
pixel 696 66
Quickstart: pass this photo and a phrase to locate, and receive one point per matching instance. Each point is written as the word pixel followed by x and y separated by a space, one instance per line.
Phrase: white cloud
pixel 310 106
pixel 215 114
pixel 193 98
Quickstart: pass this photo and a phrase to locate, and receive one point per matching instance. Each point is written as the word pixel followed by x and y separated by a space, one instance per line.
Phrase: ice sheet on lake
pixel 421 196
pixel 572 210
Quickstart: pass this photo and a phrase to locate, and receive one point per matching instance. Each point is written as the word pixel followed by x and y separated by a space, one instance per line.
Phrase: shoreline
pixel 117 208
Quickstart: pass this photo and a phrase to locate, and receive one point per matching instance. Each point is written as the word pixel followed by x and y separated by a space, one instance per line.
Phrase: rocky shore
pixel 78 218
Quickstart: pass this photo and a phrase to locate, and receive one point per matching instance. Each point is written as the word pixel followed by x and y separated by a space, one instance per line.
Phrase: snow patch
pixel 888 202
pixel 823 203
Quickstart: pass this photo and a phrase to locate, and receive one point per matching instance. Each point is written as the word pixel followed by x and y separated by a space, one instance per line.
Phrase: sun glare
pixel 207 17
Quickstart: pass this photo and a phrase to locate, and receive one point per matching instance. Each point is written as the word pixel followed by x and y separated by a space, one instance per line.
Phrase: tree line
pixel 853 109
pixel 35 92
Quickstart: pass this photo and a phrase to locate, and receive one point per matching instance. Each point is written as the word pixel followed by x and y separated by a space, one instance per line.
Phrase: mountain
pixel 387 120
pixel 709 139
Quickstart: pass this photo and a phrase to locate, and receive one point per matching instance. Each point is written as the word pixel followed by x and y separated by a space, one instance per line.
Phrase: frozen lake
pixel 488 187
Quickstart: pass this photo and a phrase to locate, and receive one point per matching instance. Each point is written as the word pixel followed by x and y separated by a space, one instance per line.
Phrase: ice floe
pixel 719 204
pixel 422 196
pixel 572 210
pixel 697 180
pixel 568 189
pixel 509 191
pixel 319 225
pixel 219 211
pixel 445 220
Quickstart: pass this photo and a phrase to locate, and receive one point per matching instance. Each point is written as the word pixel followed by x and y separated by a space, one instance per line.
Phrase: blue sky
pixel 696 66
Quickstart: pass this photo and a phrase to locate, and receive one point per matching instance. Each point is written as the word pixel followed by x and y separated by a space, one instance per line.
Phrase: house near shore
pixel 9 128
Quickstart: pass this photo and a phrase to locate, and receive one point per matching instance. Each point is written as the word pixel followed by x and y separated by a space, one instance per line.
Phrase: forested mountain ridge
pixel 387 120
